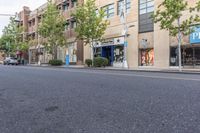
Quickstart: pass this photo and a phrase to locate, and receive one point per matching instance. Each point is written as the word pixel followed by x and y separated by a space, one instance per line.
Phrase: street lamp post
pixel 179 45
pixel 125 63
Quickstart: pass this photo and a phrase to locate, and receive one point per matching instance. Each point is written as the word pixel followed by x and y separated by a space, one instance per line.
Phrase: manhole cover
pixel 51 108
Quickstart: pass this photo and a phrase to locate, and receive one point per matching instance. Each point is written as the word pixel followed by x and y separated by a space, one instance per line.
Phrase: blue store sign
pixel 195 36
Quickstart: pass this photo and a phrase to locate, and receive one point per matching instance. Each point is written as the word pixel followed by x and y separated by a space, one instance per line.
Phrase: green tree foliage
pixel 91 24
pixel 52 29
pixel 168 13
pixel 198 6
pixel 11 39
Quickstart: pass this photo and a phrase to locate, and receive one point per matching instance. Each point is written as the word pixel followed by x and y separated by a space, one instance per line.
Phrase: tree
pixel 52 29
pixel 169 16
pixel 91 24
pixel 11 39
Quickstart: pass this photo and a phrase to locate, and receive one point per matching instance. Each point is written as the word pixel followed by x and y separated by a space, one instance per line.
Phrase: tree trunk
pixel 55 55
pixel 54 52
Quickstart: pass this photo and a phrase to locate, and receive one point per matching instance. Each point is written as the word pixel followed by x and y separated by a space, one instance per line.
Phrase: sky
pixel 13 6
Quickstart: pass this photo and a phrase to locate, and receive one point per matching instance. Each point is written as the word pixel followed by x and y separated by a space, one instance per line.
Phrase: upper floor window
pixel 33 22
pixel 146 6
pixel 74 3
pixel 67 25
pixel 39 19
pixel 109 10
pixel 73 24
pixel 121 4
pixel 65 6
pixel 29 23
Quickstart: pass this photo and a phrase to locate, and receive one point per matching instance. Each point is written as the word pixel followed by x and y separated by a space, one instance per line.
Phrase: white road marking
pixel 115 74
pixel 137 75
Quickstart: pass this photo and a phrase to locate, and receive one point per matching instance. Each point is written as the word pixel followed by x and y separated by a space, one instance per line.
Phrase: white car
pixel 1 62
pixel 10 61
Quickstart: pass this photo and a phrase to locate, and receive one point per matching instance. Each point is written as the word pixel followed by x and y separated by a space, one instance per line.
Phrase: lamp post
pixel 125 30
pixel 179 45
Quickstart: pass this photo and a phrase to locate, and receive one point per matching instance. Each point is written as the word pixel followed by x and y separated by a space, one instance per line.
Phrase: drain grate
pixel 51 108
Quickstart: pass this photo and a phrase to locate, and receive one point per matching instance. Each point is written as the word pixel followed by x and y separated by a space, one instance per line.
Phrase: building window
pixel 173 56
pixel 39 19
pixel 72 52
pixel 146 9
pixel 147 57
pixel 74 3
pixel 120 6
pixel 109 10
pixel 118 54
pixel 73 24
pixel 65 6
pixel 59 7
pixel 33 22
pixel 146 6
pixel 67 25
pixel 29 23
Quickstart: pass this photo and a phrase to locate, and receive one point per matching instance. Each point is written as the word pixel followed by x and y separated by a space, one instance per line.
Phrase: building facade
pixel 30 21
pixel 147 45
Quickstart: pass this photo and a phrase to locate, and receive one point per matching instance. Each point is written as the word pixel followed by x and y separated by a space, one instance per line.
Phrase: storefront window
pixel 118 53
pixel 147 57
pixel 97 52
pixel 190 56
pixel 173 56
pixel 197 56
pixel 72 52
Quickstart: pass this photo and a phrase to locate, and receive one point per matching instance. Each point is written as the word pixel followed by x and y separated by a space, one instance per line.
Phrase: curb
pixel 125 70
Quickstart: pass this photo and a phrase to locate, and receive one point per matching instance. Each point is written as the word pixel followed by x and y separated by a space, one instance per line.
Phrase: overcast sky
pixel 13 6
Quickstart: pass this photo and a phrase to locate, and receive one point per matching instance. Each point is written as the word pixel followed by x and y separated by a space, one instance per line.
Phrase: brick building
pixel 148 46
pixel 30 21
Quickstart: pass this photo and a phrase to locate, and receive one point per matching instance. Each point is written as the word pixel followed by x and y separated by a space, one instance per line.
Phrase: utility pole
pixel 179 45
pixel 125 64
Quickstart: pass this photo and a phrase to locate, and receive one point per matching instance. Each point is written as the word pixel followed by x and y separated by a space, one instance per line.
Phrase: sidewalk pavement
pixel 139 69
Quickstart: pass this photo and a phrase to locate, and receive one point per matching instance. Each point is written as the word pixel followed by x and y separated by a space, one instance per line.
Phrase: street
pixel 64 100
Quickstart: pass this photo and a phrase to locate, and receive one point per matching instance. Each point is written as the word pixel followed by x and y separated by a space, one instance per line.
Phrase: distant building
pixel 30 21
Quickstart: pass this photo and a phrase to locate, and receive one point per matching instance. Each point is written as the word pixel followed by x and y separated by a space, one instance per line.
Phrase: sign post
pixel 67 60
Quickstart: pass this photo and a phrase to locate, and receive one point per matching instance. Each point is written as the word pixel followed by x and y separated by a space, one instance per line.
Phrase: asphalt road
pixel 48 100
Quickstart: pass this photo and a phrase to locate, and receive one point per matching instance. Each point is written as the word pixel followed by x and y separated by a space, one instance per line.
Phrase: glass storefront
pixel 173 56
pixel 97 52
pixel 190 56
pixel 34 56
pixel 72 52
pixel 114 53
pixel 147 57
pixel 118 54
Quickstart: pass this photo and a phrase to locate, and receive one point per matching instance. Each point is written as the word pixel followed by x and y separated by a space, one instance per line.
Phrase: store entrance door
pixel 108 52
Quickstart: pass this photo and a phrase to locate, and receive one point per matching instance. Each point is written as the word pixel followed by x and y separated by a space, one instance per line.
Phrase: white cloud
pixel 13 6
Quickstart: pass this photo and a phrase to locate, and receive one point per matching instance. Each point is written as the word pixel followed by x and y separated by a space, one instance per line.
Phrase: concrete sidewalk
pixel 139 69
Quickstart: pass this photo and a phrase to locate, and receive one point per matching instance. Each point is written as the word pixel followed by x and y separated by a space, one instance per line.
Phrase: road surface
pixel 52 100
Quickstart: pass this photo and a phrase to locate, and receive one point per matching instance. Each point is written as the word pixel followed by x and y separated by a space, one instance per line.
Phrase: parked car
pixel 10 61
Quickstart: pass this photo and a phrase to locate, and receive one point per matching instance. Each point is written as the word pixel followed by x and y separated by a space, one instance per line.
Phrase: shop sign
pixel 108 42
pixel 125 43
pixel 119 40
pixel 195 36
